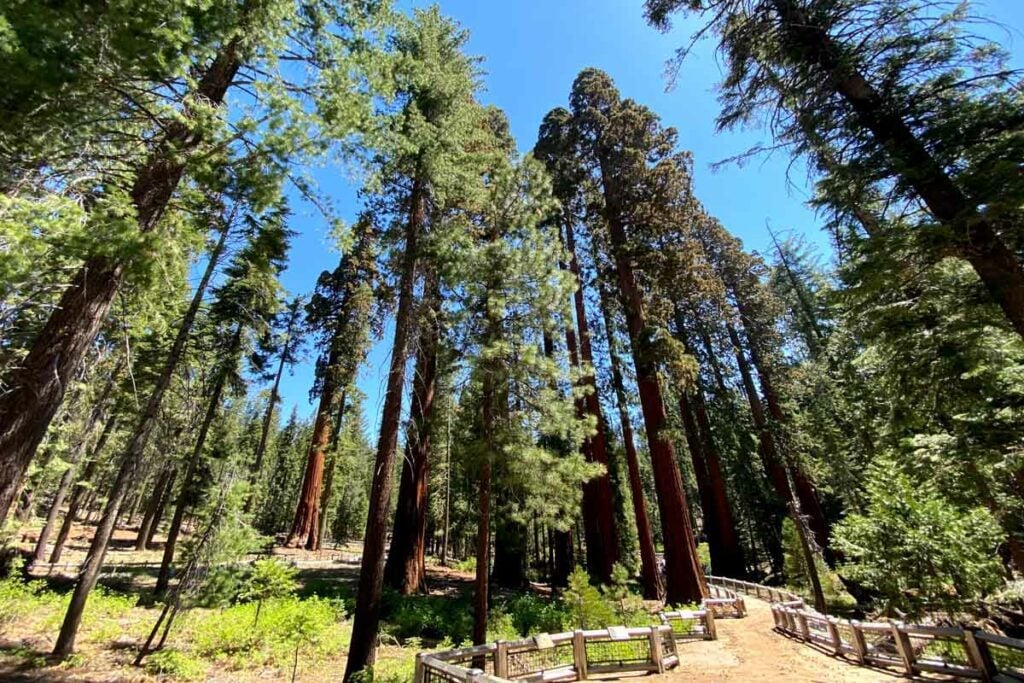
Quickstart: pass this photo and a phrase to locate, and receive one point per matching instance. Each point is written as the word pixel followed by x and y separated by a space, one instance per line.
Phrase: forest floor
pixel 747 649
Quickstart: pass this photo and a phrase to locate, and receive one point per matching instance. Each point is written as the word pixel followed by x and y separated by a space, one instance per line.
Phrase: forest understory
pixel 313 358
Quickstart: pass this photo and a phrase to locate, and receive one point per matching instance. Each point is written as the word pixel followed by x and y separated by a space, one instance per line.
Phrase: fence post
pixel 860 646
pixel 579 655
pixel 501 659
pixel 833 633
pixel 417 675
pixel 801 620
pixel 654 638
pixel 473 675
pixel 904 647
pixel 981 658
pixel 709 625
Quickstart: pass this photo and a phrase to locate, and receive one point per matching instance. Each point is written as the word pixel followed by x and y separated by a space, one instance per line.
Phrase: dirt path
pixel 749 650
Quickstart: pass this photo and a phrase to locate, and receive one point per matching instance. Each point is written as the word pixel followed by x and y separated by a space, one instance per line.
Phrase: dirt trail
pixel 749 650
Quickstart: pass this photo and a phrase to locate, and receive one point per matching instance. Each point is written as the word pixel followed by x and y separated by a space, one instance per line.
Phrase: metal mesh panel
pixel 846 634
pixel 431 675
pixel 685 628
pixel 1008 660
pixel 632 651
pixel 880 644
pixel 668 643
pixel 484 662
pixel 939 649
pixel 530 661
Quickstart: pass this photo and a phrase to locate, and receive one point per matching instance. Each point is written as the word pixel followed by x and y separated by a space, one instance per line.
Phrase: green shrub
pixel 588 607
pixel 232 635
pixel 917 549
pixel 431 617
pixel 795 566
pixel 467 565
pixel 532 614
pixel 176 664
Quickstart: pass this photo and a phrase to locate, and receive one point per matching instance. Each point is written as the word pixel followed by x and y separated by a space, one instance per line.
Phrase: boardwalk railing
pixel 569 656
pixel 914 648
pixel 774 595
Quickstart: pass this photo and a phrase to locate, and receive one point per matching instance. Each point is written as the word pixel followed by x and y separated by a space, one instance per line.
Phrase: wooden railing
pixel 914 648
pixel 774 595
pixel 569 656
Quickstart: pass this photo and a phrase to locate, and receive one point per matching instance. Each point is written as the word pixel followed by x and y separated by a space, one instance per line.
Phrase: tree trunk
pixel 723 543
pixel 602 535
pixel 774 465
pixel 275 396
pixel 79 492
pixel 306 523
pixel 187 494
pixel 975 239
pixel 159 514
pixel 38 384
pixel 733 563
pixel 330 465
pixel 69 474
pixel 155 501
pixel 685 578
pixel 405 568
pixel 510 553
pixel 650 575
pixel 363 646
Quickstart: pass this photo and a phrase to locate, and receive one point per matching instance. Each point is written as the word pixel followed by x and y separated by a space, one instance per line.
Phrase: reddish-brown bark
pixel 685 579
pixel 363 646
pixel 602 538
pixel 650 576
pixel 405 569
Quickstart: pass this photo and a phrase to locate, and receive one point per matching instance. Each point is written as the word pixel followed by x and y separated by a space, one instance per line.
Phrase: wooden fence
pixel 914 648
pixel 569 656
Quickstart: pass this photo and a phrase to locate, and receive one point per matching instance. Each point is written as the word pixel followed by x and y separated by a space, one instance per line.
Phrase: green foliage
pixel 427 616
pixel 176 664
pixel 795 567
pixel 234 636
pixel 269 579
pixel 915 548
pixel 585 602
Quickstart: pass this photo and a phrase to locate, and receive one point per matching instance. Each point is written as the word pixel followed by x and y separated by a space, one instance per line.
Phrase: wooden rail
pixel 914 648
pixel 569 656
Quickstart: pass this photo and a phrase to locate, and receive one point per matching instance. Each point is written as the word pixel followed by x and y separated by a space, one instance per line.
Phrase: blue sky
pixel 533 50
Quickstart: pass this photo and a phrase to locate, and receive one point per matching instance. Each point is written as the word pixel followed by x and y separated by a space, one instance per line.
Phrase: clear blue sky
pixel 533 50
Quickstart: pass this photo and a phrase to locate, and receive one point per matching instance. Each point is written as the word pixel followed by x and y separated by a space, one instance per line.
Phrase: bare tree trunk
pixel 650 575
pixel 723 543
pixel 405 569
pixel 158 515
pixel 306 522
pixel 363 646
pixel 155 500
pixel 38 384
pixel 775 466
